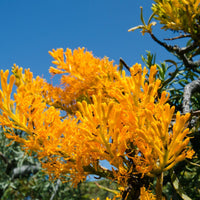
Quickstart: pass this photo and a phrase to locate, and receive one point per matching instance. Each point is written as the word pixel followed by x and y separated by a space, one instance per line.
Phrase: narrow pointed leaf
pixel 176 184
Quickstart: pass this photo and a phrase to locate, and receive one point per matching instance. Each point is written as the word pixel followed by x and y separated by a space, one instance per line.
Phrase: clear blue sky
pixel 29 29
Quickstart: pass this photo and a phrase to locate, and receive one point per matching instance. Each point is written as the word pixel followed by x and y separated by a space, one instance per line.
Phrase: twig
pixel 180 52
pixel 125 65
pixel 188 63
pixel 175 49
pixel 178 37
pixel 192 163
pixel 4 158
pixel 56 189
pixel 159 186
pixel 107 189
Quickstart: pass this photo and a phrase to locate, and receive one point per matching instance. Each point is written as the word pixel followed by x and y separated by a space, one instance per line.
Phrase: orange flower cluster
pixel 120 119
pixel 148 118
pixel 146 194
pixel 82 76
pixel 178 15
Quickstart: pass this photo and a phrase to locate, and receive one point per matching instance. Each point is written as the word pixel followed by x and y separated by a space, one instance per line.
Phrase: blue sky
pixel 29 29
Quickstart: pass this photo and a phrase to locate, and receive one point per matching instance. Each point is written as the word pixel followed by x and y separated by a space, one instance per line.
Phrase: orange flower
pixel 118 118
pixel 82 76
pixel 146 195
pixel 149 120
pixel 174 13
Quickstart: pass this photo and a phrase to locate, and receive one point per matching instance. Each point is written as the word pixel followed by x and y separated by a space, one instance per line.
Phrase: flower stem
pixel 159 185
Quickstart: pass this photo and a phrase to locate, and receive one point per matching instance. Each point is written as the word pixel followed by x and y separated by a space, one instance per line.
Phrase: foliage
pixel 16 183
pixel 35 184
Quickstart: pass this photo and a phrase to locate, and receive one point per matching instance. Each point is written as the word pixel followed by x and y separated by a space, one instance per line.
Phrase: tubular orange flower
pixel 102 129
pixel 82 75
pixel 148 119
pixel 146 195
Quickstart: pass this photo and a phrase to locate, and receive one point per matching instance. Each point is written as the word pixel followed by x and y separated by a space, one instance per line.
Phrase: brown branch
pixel 195 113
pixel 181 53
pixel 124 64
pixel 178 37
pixel 188 63
pixel 190 89
pixel 174 49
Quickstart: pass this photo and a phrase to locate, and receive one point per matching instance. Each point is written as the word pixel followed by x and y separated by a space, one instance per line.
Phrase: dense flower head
pixel 146 194
pixel 123 121
pixel 82 75
pixel 179 15
pixel 149 120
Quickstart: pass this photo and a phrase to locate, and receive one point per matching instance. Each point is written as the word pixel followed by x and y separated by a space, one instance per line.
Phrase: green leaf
pixel 107 189
pixel 176 184
pixel 141 16
pixel 150 18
